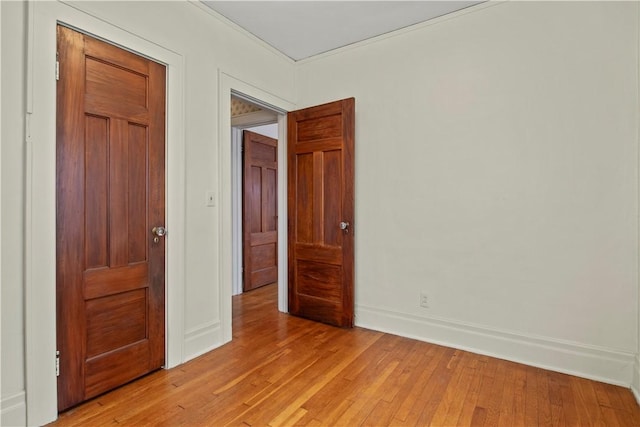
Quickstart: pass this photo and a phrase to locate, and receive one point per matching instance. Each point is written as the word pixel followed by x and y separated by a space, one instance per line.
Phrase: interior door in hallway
pixel 321 212
pixel 260 210
pixel 110 196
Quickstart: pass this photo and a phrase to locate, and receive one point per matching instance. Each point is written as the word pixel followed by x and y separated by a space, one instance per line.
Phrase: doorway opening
pixel 258 241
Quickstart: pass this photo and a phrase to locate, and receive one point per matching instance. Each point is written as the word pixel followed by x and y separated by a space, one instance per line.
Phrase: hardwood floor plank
pixel 586 400
pixel 508 402
pixel 494 394
pixel 280 370
pixel 449 409
pixel 368 397
pixel 416 400
pixel 530 390
pixel 468 402
pixel 437 386
pixel 412 395
pixel 543 403
pixel 484 399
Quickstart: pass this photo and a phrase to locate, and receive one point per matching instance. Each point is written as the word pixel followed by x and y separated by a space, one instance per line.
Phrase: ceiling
pixel 301 29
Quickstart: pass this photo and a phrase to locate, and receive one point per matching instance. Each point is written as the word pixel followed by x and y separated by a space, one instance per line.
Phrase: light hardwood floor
pixel 280 370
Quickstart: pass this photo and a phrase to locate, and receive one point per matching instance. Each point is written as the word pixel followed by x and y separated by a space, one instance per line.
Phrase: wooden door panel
pixel 263 255
pixel 138 228
pixel 324 255
pixel 326 124
pixel 254 204
pixel 332 198
pixel 320 182
pixel 304 207
pixel 113 83
pixel 110 370
pixel 115 321
pixel 269 201
pixel 110 193
pixel 260 221
pixel 319 280
pixel 105 281
pixel 96 131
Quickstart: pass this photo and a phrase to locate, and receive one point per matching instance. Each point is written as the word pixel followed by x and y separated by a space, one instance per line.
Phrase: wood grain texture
pixel 110 193
pixel 70 206
pixel 259 210
pixel 320 183
pixel 282 370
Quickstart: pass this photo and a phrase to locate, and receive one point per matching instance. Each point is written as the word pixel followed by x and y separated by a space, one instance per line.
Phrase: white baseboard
pixel 14 410
pixel 635 385
pixel 202 339
pixel 600 364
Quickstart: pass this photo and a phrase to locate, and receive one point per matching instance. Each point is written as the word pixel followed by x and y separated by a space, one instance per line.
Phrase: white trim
pixel 635 385
pixel 1 403
pixel 198 340
pixel 229 85
pixel 283 254
pixel 236 213
pixel 40 195
pixel 599 364
pixel 14 410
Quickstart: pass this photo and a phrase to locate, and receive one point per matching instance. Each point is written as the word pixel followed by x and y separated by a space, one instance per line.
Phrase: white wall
pixel 209 49
pixel 267 130
pixel 13 40
pixel 496 171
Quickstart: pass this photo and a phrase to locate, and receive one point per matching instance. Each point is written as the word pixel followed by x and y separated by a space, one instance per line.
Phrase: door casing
pixel 230 85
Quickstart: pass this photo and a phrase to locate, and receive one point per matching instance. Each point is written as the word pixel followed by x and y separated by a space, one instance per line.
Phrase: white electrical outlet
pixel 424 300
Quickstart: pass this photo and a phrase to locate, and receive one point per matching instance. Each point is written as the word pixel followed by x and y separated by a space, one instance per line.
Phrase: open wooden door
pixel 110 213
pixel 321 212
pixel 260 210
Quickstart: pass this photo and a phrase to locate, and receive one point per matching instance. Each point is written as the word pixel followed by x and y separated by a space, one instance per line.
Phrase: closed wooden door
pixel 260 207
pixel 321 212
pixel 110 194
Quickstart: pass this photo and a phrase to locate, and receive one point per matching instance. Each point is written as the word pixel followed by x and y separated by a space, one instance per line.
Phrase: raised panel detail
pixel 115 83
pixel 263 153
pixel 319 280
pixel 319 128
pixel 332 185
pixel 263 256
pixel 269 197
pixel 116 321
pixel 138 161
pixel 255 202
pixel 304 198
pixel 96 191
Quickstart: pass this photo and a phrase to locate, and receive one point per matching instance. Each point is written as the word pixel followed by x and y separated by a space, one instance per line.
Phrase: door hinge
pixel 57 66
pixel 57 363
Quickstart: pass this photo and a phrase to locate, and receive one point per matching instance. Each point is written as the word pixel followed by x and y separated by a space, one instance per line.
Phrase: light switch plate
pixel 211 198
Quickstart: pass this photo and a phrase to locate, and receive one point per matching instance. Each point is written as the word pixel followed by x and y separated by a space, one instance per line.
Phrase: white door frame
pixel 229 85
pixel 40 239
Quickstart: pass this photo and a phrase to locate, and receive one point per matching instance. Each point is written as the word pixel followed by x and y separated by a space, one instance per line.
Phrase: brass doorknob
pixel 158 232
